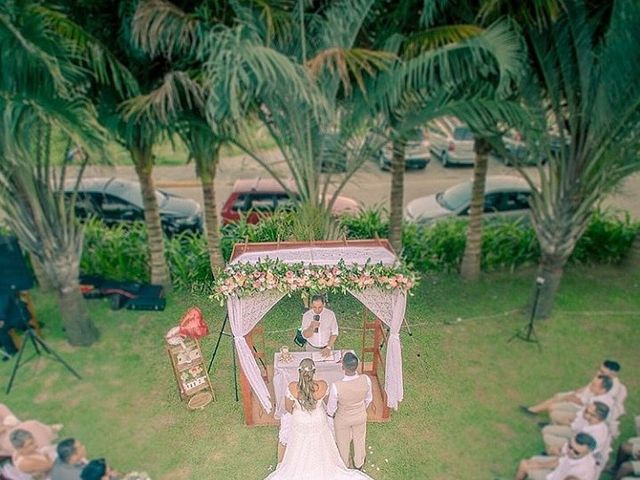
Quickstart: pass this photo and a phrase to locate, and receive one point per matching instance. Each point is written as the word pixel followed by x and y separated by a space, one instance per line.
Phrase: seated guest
pixel 592 421
pixel 609 368
pixel 71 460
pixel 627 462
pixel 98 470
pixel 564 412
pixel 28 458
pixel 576 460
pixel 44 435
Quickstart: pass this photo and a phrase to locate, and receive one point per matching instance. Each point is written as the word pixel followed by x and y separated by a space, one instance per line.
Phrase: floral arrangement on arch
pixel 244 279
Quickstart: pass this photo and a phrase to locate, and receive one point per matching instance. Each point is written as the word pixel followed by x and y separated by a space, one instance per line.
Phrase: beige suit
pixel 351 418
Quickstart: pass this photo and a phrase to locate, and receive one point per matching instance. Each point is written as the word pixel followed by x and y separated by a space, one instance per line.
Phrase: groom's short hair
pixel 350 361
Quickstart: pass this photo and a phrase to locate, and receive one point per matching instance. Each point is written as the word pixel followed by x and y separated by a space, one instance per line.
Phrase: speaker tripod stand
pixel 224 333
pixel 40 347
pixel 528 333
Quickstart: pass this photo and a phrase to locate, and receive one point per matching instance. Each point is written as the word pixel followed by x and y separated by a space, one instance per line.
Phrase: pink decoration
pixel 192 324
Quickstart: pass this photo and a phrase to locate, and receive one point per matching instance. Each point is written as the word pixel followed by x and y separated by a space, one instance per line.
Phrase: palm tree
pixel 178 102
pixel 437 37
pixel 583 87
pixel 296 76
pixel 46 66
pixel 470 266
pixel 137 135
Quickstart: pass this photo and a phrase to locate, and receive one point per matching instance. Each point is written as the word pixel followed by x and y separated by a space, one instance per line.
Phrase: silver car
pixel 505 195
pixel 452 141
pixel 416 153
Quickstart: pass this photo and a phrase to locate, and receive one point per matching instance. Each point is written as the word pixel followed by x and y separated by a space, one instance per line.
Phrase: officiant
pixel 319 327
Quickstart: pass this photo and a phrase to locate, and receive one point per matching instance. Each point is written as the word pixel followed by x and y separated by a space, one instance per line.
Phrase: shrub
pixel 606 240
pixel 120 253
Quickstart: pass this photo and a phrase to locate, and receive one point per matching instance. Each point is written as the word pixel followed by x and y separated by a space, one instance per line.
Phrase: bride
pixel 311 450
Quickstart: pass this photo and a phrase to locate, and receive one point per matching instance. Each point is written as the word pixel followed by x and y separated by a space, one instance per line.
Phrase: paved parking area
pixel 370 185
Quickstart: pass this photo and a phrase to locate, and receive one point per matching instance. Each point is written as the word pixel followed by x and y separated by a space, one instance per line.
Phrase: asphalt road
pixel 369 186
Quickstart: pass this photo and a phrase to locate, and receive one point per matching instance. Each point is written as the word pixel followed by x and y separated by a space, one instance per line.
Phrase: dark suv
pixel 116 201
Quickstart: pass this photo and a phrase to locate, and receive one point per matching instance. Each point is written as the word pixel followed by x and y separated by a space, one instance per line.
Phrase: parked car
pixel 416 153
pixel 256 198
pixel 519 151
pixel 451 141
pixel 116 201
pixel 504 196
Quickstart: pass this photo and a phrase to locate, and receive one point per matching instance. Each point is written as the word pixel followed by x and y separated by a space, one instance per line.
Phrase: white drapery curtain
pixel 389 306
pixel 244 314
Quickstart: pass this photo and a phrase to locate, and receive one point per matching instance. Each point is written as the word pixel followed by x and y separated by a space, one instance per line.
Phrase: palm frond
pixel 94 56
pixel 160 26
pixel 177 92
pixel 349 64
pixel 436 37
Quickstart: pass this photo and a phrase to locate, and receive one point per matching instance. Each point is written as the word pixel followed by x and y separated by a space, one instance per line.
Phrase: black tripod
pixel 30 336
pixel 233 349
pixel 215 351
pixel 528 333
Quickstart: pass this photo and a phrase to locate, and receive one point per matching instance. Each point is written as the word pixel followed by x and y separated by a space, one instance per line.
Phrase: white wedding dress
pixel 311 452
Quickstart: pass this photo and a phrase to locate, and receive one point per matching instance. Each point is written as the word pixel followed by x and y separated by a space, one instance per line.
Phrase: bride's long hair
pixel 306 387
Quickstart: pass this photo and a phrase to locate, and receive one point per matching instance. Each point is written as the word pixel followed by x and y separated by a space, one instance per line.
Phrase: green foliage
pixel 436 248
pixel 606 239
pixel 189 263
pixel 269 229
pixel 120 253
pixel 369 223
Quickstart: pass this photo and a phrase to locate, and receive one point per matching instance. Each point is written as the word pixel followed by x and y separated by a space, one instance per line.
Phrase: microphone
pixel 317 319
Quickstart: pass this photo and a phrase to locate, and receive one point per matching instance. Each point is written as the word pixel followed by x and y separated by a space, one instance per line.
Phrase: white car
pixel 452 141
pixel 505 195
pixel 416 153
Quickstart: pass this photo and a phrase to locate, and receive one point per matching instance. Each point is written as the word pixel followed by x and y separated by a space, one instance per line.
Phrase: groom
pixel 348 401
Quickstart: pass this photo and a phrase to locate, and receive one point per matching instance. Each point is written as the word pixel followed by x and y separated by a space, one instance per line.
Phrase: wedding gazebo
pixel 259 275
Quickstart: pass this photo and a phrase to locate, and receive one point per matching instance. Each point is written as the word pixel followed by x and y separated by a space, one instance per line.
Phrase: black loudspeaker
pixel 15 273
pixel 150 297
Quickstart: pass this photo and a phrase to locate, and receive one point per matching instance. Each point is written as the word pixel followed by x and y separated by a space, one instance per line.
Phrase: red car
pixel 259 197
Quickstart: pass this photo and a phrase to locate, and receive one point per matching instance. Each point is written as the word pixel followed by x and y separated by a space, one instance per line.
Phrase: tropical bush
pixel 120 252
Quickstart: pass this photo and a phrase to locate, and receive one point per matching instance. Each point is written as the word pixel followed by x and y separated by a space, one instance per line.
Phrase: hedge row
pixel 120 253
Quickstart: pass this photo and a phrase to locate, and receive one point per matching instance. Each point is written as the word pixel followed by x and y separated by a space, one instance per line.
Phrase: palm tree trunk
pixel 550 270
pixel 142 159
pixel 397 194
pixel 79 328
pixel 63 272
pixel 207 177
pixel 44 284
pixel 633 258
pixel 470 267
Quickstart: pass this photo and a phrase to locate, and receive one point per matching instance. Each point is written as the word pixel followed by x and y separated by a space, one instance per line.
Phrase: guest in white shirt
pixel 563 413
pixel 348 401
pixel 592 421
pixel 608 368
pixel 319 327
pixel 577 460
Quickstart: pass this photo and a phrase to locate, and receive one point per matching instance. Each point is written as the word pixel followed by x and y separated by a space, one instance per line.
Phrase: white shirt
pixel 600 433
pixel 332 403
pixel 583 468
pixel 328 327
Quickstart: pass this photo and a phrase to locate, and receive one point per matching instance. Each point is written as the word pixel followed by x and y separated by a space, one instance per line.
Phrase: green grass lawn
pixel 463 380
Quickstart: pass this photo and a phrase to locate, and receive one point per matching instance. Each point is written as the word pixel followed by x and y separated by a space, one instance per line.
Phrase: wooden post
pixel 247 393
